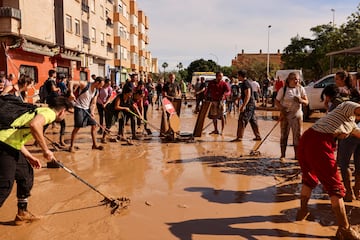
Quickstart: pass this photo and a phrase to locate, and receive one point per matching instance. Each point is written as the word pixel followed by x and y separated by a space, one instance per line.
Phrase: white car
pixel 313 92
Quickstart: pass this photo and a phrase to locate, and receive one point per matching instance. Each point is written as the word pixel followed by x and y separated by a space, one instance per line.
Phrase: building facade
pixel 245 59
pixel 76 37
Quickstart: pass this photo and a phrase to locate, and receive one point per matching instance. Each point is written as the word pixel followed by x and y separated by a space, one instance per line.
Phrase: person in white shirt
pixel 289 100
pixel 255 86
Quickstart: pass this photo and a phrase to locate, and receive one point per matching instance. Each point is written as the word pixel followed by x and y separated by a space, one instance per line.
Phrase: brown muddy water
pixel 186 190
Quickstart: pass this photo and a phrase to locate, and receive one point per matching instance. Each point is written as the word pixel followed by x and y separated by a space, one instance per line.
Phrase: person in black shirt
pixel 247 109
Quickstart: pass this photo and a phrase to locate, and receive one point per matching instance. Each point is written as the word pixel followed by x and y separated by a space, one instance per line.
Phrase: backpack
pixel 234 91
pixel 13 107
pixel 43 92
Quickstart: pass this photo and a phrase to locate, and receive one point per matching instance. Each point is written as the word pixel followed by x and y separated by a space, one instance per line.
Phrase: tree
pixel 201 65
pixel 228 71
pixel 310 54
pixel 165 65
pixel 179 66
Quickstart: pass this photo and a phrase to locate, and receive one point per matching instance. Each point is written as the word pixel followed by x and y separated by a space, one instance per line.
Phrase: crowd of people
pixel 314 149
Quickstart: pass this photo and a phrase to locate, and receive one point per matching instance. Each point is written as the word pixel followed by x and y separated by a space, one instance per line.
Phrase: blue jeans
pixel 347 147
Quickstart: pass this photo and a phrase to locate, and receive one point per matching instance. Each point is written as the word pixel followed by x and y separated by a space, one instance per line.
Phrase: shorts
pixel 82 118
pixel 317 161
pixel 216 110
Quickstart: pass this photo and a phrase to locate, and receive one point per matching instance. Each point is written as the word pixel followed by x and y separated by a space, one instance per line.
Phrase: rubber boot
pixel 303 212
pixel 357 187
pixel 344 231
pixel 349 195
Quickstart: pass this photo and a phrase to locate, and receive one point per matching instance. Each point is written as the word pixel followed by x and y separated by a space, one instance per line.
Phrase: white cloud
pixel 183 31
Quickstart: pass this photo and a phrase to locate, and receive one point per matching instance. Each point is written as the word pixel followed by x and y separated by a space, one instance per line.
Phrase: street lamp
pixel 268 54
pixel 333 15
pixel 217 59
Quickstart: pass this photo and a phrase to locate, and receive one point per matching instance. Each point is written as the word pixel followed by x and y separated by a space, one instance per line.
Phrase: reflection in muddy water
pixel 170 171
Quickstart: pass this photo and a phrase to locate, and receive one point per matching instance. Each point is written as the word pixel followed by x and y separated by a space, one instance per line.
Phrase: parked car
pixel 313 92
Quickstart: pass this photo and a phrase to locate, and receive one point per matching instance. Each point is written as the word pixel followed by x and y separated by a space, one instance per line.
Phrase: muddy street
pixel 209 188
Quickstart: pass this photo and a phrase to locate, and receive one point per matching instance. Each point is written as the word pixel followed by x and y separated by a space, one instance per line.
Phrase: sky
pixel 187 30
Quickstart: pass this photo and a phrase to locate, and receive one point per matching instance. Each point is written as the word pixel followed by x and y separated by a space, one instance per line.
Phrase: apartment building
pixel 75 37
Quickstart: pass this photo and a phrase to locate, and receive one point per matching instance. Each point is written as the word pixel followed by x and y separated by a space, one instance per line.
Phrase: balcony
pixel 109 23
pixel 86 40
pixel 85 7
pixel 110 49
pixel 10 12
pixel 10 20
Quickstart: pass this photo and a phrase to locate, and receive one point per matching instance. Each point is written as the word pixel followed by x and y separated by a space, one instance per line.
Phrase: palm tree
pixel 165 65
pixel 179 66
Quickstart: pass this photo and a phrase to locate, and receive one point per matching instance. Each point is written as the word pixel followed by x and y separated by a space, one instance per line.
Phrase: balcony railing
pixel 109 49
pixel 10 12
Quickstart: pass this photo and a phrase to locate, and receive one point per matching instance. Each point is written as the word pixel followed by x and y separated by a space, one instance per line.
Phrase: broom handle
pixel 272 129
pixel 79 178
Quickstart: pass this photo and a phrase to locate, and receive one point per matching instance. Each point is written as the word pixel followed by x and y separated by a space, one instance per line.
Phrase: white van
pixel 283 74
pixel 207 75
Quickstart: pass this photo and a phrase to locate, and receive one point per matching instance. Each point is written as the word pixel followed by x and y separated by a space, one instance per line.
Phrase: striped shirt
pixel 341 120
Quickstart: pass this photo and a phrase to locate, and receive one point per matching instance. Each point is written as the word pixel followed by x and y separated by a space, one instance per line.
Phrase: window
pixel 120 7
pixel 102 11
pixel 68 23
pixel 31 71
pixel 83 76
pixel 102 39
pixel 93 34
pixel 125 13
pixel 77 27
pixel 63 70
pixel 92 6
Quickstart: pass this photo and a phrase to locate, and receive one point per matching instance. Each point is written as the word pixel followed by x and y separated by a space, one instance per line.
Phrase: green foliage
pixel 201 65
pixel 183 74
pixel 310 54
pixel 228 71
